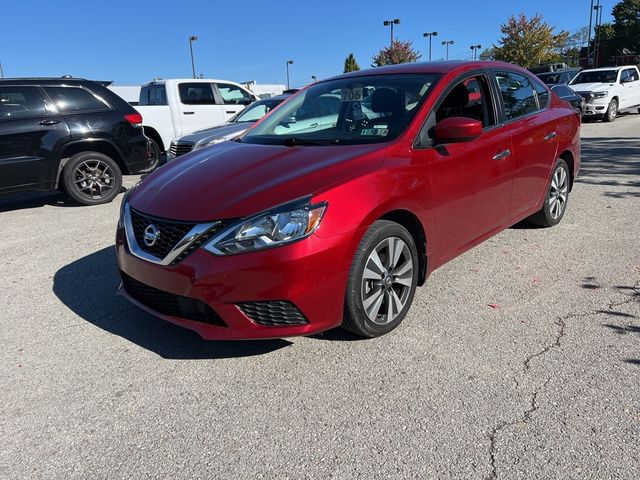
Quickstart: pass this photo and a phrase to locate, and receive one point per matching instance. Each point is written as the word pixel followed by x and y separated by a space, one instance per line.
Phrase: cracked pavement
pixel 519 360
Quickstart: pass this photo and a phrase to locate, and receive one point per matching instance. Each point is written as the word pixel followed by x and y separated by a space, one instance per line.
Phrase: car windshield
pixel 256 111
pixel 352 110
pixel 602 76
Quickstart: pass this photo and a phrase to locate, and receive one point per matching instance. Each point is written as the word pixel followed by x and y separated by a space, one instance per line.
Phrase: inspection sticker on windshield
pixel 380 132
pixel 352 94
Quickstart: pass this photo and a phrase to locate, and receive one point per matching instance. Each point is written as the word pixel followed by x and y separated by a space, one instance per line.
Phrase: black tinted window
pixel 18 102
pixel 196 94
pixel 517 94
pixel 153 95
pixel 73 99
pixel 233 95
pixel 562 91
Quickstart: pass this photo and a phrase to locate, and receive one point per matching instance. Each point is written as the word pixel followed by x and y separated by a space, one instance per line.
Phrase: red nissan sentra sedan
pixel 337 205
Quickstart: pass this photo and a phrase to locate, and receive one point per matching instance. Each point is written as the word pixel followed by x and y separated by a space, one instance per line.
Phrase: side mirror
pixel 457 129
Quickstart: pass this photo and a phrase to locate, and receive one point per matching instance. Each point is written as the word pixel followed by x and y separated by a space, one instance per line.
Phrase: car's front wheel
pixel 92 178
pixel 612 111
pixel 557 197
pixel 382 280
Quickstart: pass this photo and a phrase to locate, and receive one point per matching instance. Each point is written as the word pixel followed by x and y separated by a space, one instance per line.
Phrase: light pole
pixel 192 38
pixel 589 39
pixel 314 78
pixel 289 62
pixel 391 23
pixel 596 54
pixel 447 43
pixel 474 49
pixel 430 35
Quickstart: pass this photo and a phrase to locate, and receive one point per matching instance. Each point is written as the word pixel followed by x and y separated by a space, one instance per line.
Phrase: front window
pixel 602 76
pixel 353 110
pixel 255 112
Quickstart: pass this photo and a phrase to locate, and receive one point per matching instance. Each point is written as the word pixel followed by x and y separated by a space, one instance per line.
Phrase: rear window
pixel 196 94
pixel 153 95
pixel 20 102
pixel 74 99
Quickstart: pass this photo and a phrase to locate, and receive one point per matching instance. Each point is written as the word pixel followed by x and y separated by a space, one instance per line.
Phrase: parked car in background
pixel 607 91
pixel 174 108
pixel 562 77
pixel 291 231
pixel 231 129
pixel 567 94
pixel 71 134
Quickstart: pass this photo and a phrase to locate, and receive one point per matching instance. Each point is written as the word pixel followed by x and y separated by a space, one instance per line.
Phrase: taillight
pixel 134 119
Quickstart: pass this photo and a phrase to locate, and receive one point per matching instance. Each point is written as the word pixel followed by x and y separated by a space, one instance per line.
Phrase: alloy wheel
pixel 94 179
pixel 558 193
pixel 387 280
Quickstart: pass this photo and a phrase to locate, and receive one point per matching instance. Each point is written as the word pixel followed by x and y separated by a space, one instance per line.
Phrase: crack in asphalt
pixel 561 322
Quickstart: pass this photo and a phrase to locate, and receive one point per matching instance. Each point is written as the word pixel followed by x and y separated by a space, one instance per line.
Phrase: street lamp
pixel 430 35
pixel 192 38
pixel 391 23
pixel 314 78
pixel 596 53
pixel 289 62
pixel 447 43
pixel 474 49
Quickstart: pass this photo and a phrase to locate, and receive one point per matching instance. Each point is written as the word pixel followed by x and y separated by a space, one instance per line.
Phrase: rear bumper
pixel 138 156
pixel 310 274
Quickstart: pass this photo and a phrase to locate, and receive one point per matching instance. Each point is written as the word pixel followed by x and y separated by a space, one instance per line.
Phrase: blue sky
pixel 133 41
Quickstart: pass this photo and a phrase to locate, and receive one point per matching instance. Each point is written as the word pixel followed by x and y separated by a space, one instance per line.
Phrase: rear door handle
pixel 501 155
pixel 49 122
pixel 551 136
pixel 188 113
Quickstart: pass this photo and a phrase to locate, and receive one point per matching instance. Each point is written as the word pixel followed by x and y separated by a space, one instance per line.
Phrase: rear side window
pixel 544 97
pixel 20 102
pixel 73 99
pixel 233 95
pixel 196 94
pixel 517 94
pixel 153 95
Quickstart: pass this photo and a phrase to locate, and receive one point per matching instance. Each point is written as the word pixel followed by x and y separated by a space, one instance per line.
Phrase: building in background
pixel 129 93
pixel 265 90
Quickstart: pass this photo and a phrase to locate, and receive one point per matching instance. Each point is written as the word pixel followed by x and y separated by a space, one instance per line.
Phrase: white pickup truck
pixel 174 108
pixel 609 90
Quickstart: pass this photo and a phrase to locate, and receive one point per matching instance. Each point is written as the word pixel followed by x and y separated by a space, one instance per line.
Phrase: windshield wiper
pixel 292 141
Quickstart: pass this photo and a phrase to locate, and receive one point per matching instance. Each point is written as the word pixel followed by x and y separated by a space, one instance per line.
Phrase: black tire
pixel 155 156
pixel 548 216
pixel 356 319
pixel 92 178
pixel 612 111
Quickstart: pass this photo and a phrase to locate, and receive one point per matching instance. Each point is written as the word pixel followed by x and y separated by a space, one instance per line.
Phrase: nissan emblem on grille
pixel 151 234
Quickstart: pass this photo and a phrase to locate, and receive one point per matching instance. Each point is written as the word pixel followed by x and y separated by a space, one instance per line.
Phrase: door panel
pixel 28 139
pixel 471 190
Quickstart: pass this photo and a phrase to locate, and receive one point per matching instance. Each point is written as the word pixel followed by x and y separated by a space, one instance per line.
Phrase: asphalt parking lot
pixel 519 359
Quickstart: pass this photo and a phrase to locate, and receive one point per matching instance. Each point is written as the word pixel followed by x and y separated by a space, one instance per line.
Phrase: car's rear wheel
pixel 382 280
pixel 612 111
pixel 92 178
pixel 555 203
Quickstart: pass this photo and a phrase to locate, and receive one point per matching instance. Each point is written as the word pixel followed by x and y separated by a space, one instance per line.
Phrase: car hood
pixel 233 179
pixel 591 87
pixel 227 130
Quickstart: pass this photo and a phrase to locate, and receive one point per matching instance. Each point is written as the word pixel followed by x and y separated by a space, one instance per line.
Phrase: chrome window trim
pixel 192 235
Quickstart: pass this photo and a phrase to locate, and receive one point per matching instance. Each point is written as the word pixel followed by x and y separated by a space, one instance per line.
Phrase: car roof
pixel 282 96
pixel 441 67
pixel 603 69
pixel 50 81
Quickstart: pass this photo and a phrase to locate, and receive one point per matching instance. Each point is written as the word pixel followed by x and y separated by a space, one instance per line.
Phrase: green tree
pixel 626 25
pixel 397 52
pixel 350 64
pixel 528 42
pixel 488 54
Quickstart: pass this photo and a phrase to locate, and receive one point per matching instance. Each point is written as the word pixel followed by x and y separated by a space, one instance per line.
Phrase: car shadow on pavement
pixel 611 162
pixel 88 287
pixel 26 200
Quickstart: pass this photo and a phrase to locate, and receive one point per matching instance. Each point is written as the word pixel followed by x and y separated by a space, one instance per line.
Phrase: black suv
pixel 69 134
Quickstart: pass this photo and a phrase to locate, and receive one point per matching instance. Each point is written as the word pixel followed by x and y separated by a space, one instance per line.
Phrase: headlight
pixel 277 227
pixel 198 146
pixel 600 94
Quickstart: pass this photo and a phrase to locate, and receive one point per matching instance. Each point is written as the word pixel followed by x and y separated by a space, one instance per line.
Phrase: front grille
pixel 273 313
pixel 169 304
pixel 169 233
pixel 180 148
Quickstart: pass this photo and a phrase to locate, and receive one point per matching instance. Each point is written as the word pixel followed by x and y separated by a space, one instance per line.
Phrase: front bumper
pixel 310 274
pixel 596 107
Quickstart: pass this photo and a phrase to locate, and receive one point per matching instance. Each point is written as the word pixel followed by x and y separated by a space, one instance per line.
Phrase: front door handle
pixel 230 111
pixel 49 122
pixel 551 136
pixel 501 155
pixel 188 113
